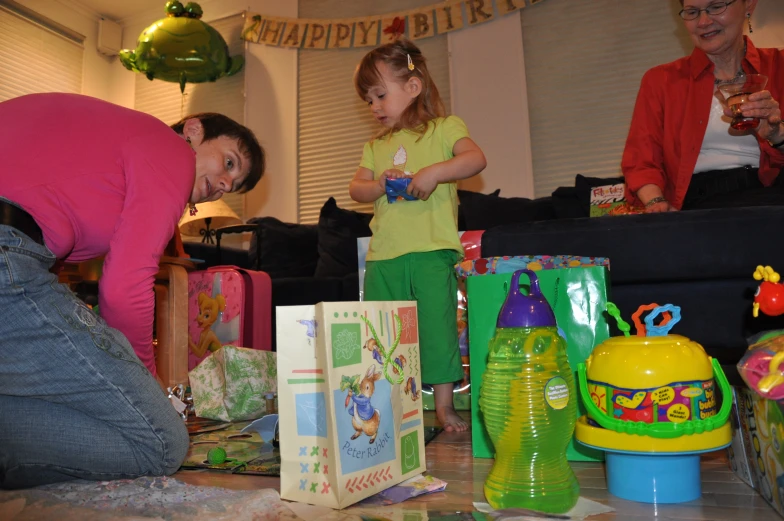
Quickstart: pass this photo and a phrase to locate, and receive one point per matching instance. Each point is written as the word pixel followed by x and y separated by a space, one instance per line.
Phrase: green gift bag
pixel 577 296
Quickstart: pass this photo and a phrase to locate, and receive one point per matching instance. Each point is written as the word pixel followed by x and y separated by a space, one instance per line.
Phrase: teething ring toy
pixel 664 328
pixel 639 326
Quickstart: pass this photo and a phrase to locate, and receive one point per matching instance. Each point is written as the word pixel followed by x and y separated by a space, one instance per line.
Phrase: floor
pixel 724 496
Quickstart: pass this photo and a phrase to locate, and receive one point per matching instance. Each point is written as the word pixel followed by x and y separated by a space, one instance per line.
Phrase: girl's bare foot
pixel 445 410
pixel 450 420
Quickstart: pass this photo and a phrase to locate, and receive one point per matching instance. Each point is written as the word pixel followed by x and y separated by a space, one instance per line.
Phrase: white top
pixel 724 147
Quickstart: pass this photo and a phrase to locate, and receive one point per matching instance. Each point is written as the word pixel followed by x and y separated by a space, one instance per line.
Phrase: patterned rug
pixel 144 498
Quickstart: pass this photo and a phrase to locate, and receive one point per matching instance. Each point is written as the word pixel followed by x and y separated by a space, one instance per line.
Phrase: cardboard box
pixel 757 450
pixel 738 452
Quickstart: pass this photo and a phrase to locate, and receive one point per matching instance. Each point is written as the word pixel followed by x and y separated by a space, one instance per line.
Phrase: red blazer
pixel 671 115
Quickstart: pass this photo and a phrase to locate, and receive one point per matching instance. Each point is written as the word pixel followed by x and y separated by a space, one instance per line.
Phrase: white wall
pixel 487 71
pixel 768 24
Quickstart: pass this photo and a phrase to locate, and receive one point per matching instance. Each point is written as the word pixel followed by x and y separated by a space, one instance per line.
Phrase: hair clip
pixel 410 62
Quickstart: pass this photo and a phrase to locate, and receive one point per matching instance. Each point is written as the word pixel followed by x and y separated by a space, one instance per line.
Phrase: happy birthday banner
pixel 370 31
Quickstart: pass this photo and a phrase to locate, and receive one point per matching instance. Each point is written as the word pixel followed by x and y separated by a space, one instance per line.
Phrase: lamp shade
pixel 209 216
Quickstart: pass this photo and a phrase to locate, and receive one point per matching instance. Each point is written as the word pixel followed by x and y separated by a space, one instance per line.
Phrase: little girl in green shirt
pixel 415 244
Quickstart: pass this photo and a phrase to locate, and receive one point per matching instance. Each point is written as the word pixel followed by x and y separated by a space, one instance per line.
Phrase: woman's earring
pixel 192 209
pixel 748 17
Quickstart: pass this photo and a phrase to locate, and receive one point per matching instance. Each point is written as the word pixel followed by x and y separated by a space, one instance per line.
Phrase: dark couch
pixel 701 260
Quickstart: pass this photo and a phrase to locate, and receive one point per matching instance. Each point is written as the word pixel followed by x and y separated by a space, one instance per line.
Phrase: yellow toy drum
pixel 653 406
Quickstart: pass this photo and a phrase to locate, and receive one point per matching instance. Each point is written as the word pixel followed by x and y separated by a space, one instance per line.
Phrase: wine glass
pixel 736 92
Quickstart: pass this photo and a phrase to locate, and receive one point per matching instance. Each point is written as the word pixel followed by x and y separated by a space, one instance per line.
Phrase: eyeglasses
pixel 712 10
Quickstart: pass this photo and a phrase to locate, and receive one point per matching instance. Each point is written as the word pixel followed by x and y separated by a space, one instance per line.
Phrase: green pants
pixel 428 278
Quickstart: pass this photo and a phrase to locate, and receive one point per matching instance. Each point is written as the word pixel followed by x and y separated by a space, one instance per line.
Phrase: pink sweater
pixel 99 179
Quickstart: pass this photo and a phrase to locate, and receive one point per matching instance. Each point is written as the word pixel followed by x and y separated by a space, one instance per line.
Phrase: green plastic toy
pixel 614 312
pixel 181 48
pixel 217 456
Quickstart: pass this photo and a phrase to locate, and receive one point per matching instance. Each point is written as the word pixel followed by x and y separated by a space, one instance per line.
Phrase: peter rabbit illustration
pixel 365 418
pixel 411 388
pixel 372 346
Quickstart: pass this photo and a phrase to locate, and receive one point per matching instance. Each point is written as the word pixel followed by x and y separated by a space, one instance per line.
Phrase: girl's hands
pixel 392 173
pixel 423 183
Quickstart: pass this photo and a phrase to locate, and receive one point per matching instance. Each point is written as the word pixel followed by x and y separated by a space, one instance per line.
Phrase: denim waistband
pixel 14 216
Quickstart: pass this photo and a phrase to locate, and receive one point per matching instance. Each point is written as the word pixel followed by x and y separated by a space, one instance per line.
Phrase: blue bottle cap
pixel 521 310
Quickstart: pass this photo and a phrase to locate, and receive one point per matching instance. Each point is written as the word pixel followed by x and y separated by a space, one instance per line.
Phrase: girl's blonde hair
pixel 423 108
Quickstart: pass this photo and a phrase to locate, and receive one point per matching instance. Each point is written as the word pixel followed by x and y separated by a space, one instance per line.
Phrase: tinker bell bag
pixel 349 383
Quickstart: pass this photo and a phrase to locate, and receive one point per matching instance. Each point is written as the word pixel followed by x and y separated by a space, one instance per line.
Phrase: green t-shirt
pixel 415 226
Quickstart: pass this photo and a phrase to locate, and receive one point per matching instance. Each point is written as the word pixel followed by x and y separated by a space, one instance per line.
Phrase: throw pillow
pixel 483 212
pixel 284 249
pixel 338 230
pixel 468 201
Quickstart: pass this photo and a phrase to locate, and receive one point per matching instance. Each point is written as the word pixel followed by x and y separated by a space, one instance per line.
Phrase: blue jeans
pixel 75 401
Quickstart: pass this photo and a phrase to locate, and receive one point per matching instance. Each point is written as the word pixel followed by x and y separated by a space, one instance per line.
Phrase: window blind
pixel 35 56
pixel 582 89
pixel 333 123
pixel 226 96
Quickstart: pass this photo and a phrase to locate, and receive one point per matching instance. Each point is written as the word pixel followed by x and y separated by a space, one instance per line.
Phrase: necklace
pixel 738 74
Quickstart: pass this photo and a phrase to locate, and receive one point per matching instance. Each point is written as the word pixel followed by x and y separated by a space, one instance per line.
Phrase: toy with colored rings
pixel 660 430
pixel 664 328
pixel 639 326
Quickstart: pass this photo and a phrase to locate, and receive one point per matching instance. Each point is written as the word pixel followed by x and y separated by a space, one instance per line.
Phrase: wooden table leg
pixel 171 316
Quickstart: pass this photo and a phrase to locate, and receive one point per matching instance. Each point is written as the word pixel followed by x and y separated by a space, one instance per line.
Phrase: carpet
pixel 146 498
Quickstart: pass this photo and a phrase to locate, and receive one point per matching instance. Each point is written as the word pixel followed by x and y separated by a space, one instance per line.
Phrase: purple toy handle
pixel 530 310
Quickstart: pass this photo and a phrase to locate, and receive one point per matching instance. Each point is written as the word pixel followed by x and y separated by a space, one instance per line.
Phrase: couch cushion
pixel 284 249
pixel 303 291
pixel 468 202
pixel 338 230
pixel 351 287
pixel 484 211
pixel 697 244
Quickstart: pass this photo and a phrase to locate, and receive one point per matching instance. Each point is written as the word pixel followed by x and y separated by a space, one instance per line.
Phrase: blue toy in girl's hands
pixel 396 189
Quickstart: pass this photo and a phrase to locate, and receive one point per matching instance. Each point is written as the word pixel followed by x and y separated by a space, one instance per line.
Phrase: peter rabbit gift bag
pixel 349 400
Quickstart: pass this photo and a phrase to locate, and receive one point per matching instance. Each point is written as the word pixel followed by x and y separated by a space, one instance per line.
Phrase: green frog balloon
pixel 181 48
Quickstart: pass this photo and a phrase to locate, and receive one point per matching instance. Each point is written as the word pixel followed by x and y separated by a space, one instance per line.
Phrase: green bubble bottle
pixel 529 405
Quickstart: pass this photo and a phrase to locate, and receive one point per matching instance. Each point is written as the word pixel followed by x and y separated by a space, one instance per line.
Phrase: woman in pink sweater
pixel 81 178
